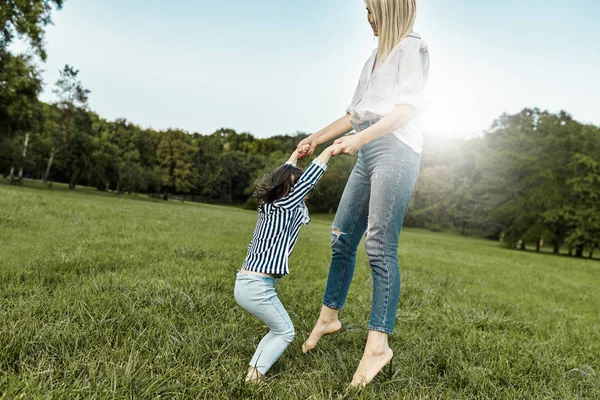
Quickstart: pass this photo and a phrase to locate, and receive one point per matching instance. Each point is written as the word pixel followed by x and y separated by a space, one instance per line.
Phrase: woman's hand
pixel 306 147
pixel 332 131
pixel 348 144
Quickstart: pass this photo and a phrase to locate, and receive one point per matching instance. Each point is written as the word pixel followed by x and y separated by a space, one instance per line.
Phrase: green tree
pixel 121 138
pixel 327 194
pixel 175 154
pixel 509 164
pixel 74 123
pixel 20 82
pixel 585 216
pixel 80 148
pixel 26 19
pixel 235 172
pixel 538 161
pixel 206 162
pixel 428 208
pixel 20 85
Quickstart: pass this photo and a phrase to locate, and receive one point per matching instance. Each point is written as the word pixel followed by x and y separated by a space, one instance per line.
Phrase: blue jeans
pixel 375 200
pixel 256 294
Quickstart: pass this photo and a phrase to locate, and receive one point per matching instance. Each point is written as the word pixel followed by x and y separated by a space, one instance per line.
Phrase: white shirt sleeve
pixel 410 84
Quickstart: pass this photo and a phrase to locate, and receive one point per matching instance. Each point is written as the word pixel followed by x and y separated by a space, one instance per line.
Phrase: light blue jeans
pixel 375 200
pixel 256 294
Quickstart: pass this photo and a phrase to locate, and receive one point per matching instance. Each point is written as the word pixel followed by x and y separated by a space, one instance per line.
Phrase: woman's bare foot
pixel 254 376
pixel 376 356
pixel 327 324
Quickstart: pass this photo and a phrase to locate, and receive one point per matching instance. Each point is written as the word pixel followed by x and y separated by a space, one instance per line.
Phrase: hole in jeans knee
pixel 335 235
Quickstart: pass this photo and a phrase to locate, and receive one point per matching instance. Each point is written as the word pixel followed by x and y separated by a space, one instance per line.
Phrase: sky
pixel 278 67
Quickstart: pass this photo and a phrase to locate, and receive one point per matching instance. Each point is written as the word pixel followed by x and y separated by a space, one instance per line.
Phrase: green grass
pixel 114 297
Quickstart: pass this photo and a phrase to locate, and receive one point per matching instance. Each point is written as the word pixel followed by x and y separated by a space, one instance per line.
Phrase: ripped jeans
pixel 375 200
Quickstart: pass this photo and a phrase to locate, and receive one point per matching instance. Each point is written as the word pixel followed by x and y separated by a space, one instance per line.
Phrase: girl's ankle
pixel 253 375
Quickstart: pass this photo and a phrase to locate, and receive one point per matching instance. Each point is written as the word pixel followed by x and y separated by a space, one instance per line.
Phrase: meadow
pixel 105 296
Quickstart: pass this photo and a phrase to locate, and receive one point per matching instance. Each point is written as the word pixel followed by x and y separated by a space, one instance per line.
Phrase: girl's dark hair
pixel 277 184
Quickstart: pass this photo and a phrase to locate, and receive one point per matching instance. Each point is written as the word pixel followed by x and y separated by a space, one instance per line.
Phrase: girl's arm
pixel 293 158
pixel 326 155
pixel 388 124
pixel 307 181
pixel 332 131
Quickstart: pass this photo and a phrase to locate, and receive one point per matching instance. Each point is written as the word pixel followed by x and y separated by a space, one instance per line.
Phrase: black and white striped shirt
pixel 278 226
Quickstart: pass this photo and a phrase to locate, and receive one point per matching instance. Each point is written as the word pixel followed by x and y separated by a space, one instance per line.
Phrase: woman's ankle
pixel 377 343
pixel 328 314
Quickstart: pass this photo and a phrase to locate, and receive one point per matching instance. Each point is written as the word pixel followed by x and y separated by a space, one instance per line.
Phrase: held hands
pixel 348 145
pixel 344 145
pixel 306 147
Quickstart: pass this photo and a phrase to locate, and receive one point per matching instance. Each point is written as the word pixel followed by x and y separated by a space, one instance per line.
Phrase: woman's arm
pixel 332 131
pixel 388 124
pixel 407 95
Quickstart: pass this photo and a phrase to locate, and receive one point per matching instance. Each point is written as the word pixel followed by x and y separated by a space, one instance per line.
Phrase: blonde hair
pixel 394 20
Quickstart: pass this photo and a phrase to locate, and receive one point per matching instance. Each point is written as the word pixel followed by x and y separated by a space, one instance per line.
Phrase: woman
pixel 386 102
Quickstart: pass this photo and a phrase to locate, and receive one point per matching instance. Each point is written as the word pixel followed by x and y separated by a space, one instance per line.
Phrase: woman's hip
pixel 390 152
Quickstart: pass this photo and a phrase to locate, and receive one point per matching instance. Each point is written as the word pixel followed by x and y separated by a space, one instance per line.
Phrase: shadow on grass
pixel 551 253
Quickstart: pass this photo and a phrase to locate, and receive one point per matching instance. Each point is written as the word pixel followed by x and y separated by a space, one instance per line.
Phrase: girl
pixel 387 99
pixel 281 211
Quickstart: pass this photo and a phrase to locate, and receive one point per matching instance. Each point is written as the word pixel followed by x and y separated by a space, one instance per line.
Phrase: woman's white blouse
pixel 400 79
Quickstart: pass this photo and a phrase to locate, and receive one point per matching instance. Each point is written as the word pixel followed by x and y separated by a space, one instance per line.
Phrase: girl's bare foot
pixel 376 356
pixel 327 324
pixel 254 376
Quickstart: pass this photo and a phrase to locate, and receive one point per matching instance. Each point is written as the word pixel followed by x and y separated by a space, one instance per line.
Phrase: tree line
pixel 532 179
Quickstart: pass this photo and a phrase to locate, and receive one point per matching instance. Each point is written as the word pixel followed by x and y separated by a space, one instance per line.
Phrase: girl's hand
pixel 306 147
pixel 348 145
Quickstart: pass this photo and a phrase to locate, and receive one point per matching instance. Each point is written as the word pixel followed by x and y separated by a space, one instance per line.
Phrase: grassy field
pixel 114 297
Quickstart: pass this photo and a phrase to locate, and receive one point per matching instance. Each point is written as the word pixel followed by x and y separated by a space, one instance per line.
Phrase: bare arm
pixel 293 158
pixel 332 131
pixel 326 155
pixel 388 124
